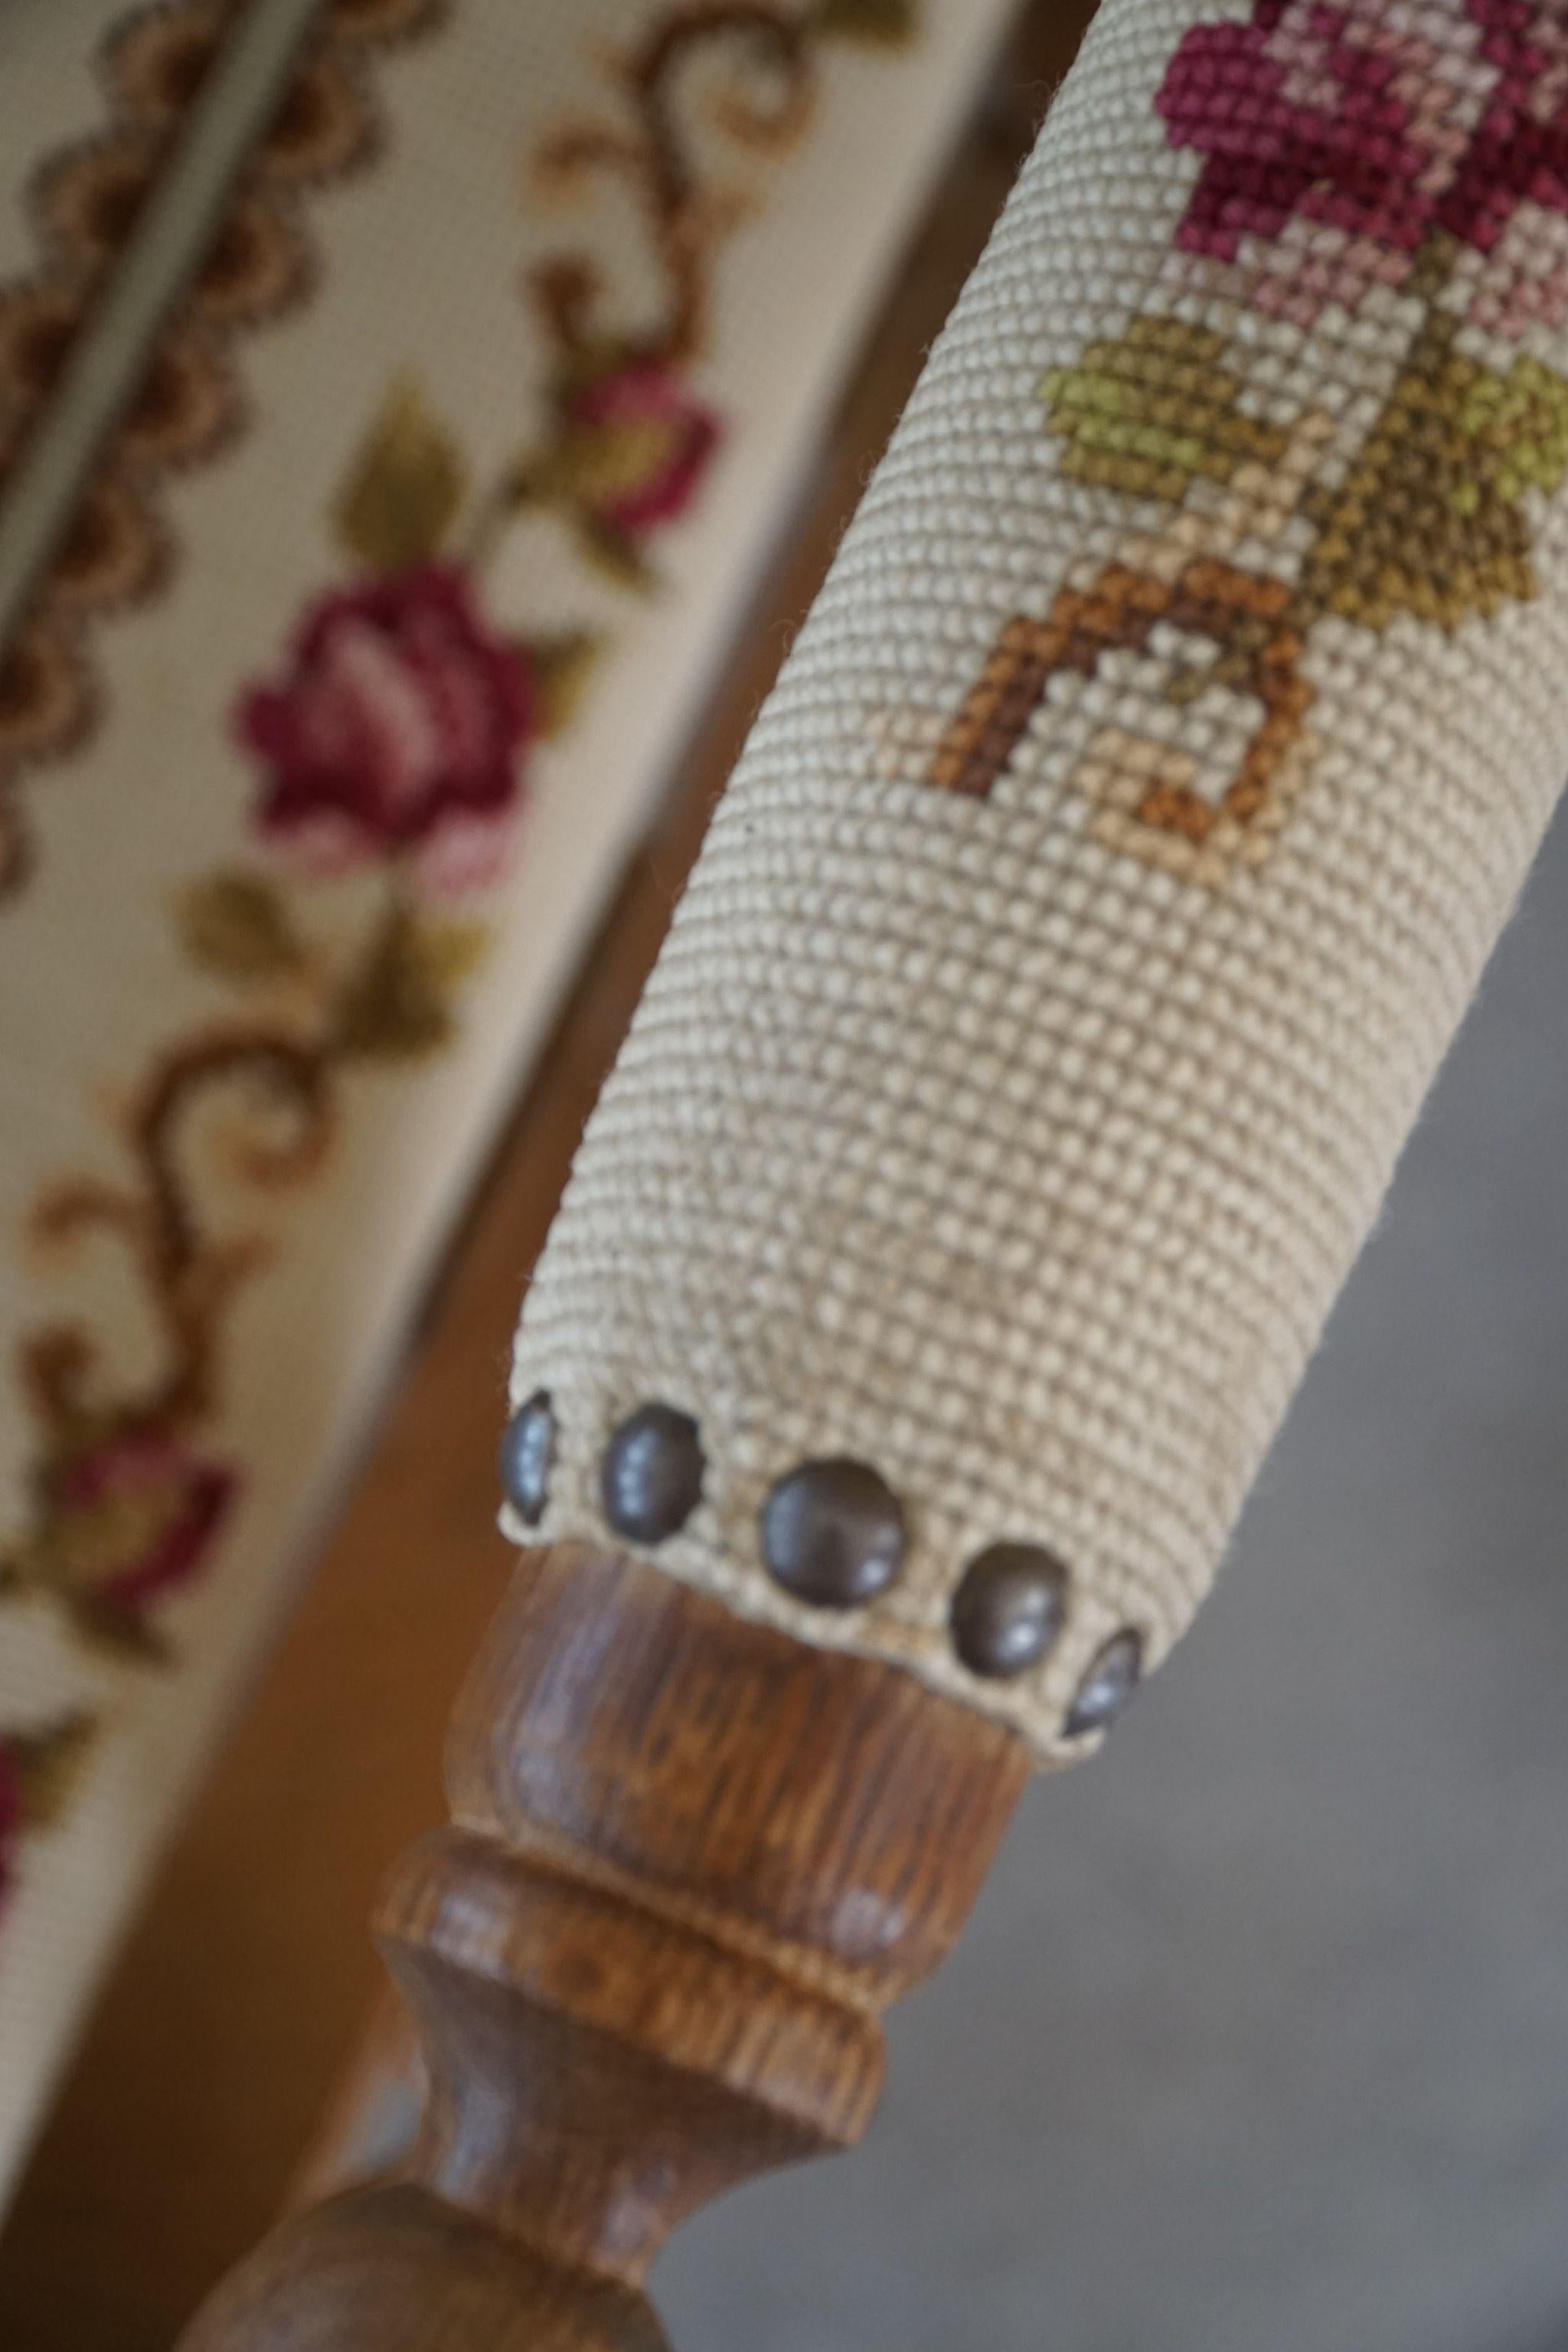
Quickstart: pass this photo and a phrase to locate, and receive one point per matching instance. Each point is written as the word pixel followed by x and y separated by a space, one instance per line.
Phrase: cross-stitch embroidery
pixel 1375 153
pixel 393 743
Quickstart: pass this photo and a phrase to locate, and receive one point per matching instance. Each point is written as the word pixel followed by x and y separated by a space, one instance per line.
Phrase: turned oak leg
pixel 691 1861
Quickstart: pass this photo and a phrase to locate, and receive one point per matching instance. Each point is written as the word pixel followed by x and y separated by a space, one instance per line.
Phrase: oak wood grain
pixel 691 1861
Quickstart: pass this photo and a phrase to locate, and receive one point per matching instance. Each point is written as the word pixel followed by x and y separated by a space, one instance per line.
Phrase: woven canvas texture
pixel 1104 878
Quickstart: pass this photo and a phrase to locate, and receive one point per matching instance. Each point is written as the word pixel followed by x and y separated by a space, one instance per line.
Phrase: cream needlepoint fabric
pixel 1104 878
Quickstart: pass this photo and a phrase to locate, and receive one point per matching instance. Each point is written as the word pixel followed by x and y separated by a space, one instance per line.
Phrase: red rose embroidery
pixel 401 725
pixel 1349 136
pixel 135 1518
pixel 638 445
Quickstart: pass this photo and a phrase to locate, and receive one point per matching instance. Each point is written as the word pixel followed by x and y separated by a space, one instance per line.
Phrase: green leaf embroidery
pixel 405 484
pixel 881 24
pixel 1521 423
pixel 394 1004
pixel 47 1765
pixel 613 553
pixel 237 926
pixel 561 668
pixel 449 951
pixel 1428 521
pixel 1151 411
pixel 129 1634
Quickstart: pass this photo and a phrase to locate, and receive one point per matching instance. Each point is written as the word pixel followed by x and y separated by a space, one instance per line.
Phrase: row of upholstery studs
pixel 833 1534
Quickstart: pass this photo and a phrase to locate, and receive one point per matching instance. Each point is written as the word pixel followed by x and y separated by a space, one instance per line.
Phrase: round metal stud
pixel 833 1533
pixel 1008 1609
pixel 527 1457
pixel 1111 1678
pixel 651 1479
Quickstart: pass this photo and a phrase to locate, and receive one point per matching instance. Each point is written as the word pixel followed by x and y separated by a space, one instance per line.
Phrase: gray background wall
pixel 1259 2041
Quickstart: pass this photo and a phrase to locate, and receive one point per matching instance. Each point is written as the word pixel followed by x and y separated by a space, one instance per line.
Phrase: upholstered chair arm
pixel 1065 967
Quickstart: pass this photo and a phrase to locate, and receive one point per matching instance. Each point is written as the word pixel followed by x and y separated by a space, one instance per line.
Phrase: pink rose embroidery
pixel 1509 199
pixel 135 1518
pixel 400 725
pixel 1346 138
pixel 638 444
